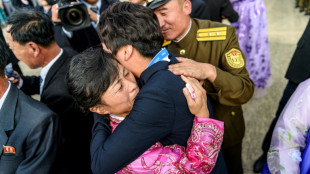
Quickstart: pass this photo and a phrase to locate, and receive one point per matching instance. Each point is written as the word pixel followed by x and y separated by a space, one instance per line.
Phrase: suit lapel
pixel 7 115
pixel 54 69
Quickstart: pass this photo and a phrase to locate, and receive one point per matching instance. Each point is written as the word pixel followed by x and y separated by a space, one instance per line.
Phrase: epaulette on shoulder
pixel 211 34
pixel 166 42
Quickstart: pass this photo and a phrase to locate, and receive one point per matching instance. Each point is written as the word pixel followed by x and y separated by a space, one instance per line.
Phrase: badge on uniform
pixel 234 58
pixel 9 149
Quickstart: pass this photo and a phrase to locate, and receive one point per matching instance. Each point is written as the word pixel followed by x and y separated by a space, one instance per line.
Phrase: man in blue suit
pixel 160 113
pixel 29 130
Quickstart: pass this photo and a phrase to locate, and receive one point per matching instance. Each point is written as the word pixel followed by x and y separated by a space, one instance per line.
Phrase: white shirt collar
pixel 190 26
pixel 45 69
pixel 117 117
pixel 4 95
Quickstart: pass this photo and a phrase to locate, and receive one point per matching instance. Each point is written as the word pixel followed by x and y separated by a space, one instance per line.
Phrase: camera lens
pixel 74 16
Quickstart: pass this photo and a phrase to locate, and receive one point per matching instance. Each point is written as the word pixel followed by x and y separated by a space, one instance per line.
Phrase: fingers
pixel 198 105
pixel 193 82
pixel 188 97
pixel 54 11
pixel 195 89
pixel 182 59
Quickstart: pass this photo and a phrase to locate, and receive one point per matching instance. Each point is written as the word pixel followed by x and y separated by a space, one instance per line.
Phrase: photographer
pixel 86 36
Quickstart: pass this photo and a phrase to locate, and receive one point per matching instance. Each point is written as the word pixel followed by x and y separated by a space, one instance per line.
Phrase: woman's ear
pixel 99 109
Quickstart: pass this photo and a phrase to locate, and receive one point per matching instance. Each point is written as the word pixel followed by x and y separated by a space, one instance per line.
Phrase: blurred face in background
pixel 174 18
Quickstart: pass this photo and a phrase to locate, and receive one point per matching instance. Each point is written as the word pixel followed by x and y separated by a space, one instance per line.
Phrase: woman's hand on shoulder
pixel 196 97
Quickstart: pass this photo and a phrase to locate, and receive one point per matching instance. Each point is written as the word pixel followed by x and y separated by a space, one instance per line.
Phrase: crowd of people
pixel 138 87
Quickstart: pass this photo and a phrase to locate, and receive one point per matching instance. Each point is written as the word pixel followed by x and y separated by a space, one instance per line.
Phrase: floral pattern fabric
pixel 289 136
pixel 200 155
pixel 253 40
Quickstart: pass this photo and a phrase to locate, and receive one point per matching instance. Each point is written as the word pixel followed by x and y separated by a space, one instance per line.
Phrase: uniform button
pixel 233 113
pixel 182 52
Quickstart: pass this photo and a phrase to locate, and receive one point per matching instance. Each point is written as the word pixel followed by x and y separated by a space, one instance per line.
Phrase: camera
pixel 73 16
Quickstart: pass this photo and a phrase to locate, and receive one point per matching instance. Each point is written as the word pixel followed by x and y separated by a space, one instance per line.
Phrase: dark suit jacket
pixel 200 10
pixel 299 67
pixel 76 127
pixel 32 129
pixel 160 113
pixel 219 8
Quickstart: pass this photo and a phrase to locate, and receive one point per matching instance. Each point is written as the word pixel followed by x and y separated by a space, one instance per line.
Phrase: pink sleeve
pixel 200 155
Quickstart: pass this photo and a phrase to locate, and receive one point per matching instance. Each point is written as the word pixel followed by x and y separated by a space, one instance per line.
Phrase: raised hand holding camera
pixel 72 15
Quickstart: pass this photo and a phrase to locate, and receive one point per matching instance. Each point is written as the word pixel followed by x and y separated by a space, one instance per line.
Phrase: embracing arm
pixel 200 155
pixel 203 144
pixel 133 136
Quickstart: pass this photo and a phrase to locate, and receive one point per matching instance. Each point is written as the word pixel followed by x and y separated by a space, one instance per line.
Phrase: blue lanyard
pixel 163 53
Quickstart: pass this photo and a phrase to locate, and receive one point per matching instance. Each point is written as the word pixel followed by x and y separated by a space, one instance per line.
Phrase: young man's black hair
pixel 148 40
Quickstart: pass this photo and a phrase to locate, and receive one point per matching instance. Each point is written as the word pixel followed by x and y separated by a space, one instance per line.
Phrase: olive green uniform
pixel 232 86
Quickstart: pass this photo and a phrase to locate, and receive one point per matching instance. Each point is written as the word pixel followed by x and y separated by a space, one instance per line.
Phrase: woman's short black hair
pixel 89 75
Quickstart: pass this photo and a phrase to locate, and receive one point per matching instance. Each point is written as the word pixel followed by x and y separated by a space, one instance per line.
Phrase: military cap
pixel 153 4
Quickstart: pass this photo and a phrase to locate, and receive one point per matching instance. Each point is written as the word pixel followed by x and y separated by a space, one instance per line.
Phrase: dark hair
pixel 31 25
pixel 4 54
pixel 90 74
pixel 125 23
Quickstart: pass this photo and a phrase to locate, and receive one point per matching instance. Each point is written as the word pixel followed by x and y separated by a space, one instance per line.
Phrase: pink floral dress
pixel 200 155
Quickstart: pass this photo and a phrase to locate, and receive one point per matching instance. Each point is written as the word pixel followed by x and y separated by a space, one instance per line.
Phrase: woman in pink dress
pixel 203 144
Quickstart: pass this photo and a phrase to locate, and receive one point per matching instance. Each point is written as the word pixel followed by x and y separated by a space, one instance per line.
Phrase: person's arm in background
pixel 228 11
pixel 289 135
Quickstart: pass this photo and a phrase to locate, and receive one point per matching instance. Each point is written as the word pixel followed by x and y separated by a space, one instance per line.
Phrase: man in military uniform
pixel 216 59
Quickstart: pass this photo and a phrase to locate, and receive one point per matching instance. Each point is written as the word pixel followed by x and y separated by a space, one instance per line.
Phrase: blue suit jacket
pixel 32 129
pixel 160 113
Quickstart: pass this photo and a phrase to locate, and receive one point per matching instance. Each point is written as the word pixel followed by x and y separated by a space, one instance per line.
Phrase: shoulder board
pixel 166 42
pixel 211 34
